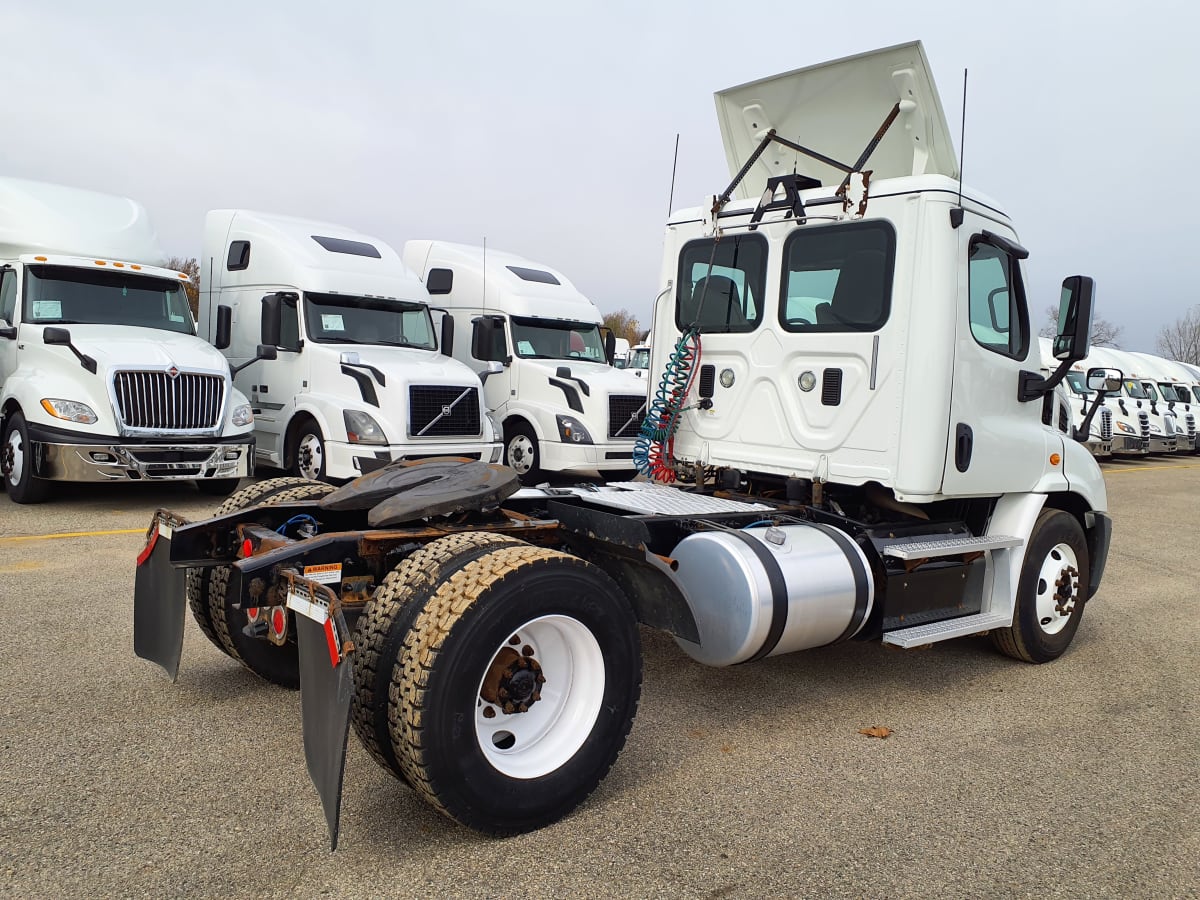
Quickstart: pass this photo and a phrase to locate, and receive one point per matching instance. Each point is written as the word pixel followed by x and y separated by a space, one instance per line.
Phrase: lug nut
pixel 489 712
pixel 515 639
pixel 527 650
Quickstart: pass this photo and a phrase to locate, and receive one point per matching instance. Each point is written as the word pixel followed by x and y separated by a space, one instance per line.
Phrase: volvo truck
pixel 332 338
pixel 850 440
pixel 102 375
pixel 537 342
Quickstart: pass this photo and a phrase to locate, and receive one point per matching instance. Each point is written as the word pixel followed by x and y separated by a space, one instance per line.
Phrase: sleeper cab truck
pixel 1166 384
pixel 103 377
pixel 537 343
pixel 355 374
pixel 1079 401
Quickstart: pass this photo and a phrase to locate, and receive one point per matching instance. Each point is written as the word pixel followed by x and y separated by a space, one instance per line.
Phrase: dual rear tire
pixel 512 677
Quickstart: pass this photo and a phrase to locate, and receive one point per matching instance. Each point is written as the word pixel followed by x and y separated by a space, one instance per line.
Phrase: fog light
pixel 103 458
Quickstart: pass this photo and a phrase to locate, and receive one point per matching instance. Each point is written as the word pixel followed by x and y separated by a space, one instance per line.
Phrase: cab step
pixel 951 546
pixel 919 635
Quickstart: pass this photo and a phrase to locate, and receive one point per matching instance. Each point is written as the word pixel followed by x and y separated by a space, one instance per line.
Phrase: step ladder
pixel 999 597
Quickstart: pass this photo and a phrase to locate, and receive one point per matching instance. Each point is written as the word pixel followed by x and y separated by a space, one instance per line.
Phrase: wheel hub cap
pixel 514 681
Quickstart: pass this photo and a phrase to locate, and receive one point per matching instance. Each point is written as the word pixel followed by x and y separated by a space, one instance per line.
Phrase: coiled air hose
pixel 653 449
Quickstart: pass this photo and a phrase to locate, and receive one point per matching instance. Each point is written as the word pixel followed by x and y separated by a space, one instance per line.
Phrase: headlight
pixel 1121 426
pixel 571 430
pixel 243 415
pixel 71 410
pixel 362 429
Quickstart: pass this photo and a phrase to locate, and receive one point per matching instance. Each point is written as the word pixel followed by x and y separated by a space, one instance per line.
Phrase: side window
pixel 720 285
pixel 8 296
pixel 838 278
pixel 999 317
pixel 289 325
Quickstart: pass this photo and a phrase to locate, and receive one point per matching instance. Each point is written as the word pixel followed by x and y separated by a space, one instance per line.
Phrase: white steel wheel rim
pixel 520 454
pixel 1053 613
pixel 16 456
pixel 537 742
pixel 311 456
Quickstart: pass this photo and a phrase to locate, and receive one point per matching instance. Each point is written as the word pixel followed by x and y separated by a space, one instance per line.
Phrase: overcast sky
pixel 548 128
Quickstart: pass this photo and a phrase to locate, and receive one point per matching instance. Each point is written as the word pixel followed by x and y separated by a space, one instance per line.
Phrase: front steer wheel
pixel 515 689
pixel 16 461
pixel 1051 592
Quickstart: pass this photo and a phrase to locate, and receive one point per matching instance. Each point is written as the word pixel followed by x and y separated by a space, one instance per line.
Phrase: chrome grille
pixel 1191 425
pixel 1144 422
pixel 1106 424
pixel 155 400
pixel 436 410
pixel 625 414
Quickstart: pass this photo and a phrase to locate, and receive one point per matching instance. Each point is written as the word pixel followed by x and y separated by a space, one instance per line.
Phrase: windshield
pixel 334 319
pixel 1078 383
pixel 1135 390
pixel 549 339
pixel 1196 391
pixel 64 295
pixel 1172 391
pixel 1150 391
pixel 640 358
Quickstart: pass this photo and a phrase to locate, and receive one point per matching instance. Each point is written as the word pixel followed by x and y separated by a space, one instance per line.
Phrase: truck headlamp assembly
pixel 494 425
pixel 242 415
pixel 571 430
pixel 71 410
pixel 1125 429
pixel 362 429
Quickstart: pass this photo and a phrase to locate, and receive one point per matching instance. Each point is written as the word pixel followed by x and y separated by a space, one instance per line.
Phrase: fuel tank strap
pixel 779 595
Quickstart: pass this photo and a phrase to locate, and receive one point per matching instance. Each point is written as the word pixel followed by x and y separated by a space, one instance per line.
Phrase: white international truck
pixel 102 376
pixel 852 406
pixel 564 407
pixel 356 376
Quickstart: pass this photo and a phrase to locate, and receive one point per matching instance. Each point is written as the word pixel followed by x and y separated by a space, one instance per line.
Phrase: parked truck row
pixel 317 351
pixel 851 407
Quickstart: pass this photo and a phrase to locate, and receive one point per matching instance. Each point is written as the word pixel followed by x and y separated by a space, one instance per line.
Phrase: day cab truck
pixel 639 360
pixel 862 446
pixel 1160 427
pixel 333 340
pixel 564 408
pixel 102 376
pixel 1162 381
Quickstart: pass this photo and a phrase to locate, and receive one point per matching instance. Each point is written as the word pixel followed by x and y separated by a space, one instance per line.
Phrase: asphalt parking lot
pixel 1075 779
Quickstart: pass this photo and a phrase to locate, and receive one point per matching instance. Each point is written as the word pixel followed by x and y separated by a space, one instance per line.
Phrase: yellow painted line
pixel 69 534
pixel 28 565
pixel 1124 471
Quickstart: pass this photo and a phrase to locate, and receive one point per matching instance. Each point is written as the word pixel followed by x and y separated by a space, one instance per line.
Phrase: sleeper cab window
pixel 721 283
pixel 838 277
pixel 999 317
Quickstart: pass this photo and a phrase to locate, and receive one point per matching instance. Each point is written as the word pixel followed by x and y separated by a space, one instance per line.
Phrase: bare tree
pixel 1104 332
pixel 191 268
pixel 1181 339
pixel 623 324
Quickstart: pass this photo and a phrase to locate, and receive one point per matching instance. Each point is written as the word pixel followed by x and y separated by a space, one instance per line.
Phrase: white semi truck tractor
pixel 103 377
pixel 849 401
pixel 1162 430
pixel 548 375
pixel 333 340
pixel 1163 384
pixel 1099 439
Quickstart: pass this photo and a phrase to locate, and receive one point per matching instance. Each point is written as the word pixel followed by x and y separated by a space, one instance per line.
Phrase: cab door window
pixel 998 312
pixel 8 296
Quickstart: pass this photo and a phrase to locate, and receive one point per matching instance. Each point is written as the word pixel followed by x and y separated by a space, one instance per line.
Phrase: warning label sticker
pixel 329 573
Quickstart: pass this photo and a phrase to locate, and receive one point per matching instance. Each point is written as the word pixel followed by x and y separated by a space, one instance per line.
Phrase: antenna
pixel 956 215
pixel 674 165
pixel 483 301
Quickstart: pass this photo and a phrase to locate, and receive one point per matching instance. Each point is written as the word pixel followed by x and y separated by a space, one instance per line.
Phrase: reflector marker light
pixel 279 620
pixel 247 548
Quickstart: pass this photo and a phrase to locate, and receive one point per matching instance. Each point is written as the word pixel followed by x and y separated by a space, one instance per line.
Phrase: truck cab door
pixel 996 443
pixel 8 321
pixel 272 385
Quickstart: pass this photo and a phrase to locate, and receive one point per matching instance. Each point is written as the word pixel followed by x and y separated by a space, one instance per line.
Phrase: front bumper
pixel 345 460
pixel 142 462
pixel 1100 448
pixel 1160 444
pixel 575 459
pixel 1128 445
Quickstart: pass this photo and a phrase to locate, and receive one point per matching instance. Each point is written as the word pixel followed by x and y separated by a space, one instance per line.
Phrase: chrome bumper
pixel 142 462
pixel 1125 444
pixel 1163 444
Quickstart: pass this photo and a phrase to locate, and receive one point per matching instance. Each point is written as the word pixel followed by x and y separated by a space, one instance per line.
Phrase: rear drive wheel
pixel 206 590
pixel 16 460
pixel 516 688
pixel 308 459
pixel 521 452
pixel 1051 593
pixel 386 620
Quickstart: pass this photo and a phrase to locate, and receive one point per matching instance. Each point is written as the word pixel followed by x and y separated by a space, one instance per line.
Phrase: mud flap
pixel 326 689
pixel 159 597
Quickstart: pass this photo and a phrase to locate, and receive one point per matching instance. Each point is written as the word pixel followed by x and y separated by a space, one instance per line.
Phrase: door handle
pixel 964 443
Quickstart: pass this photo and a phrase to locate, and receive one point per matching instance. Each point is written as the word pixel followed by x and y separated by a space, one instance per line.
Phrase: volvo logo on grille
pixel 445 410
pixel 173 372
